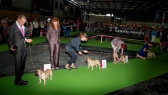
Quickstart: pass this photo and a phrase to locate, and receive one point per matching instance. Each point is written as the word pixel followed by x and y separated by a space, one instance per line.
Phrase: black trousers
pixel 35 32
pixel 73 55
pixel 20 59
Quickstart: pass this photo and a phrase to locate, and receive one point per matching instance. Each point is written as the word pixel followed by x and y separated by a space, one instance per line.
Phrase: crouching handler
pixel 72 47
pixel 117 44
pixel 143 51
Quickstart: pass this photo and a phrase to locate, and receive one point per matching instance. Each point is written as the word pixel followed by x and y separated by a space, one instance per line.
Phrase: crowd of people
pixel 35 28
pixel 38 28
pixel 149 33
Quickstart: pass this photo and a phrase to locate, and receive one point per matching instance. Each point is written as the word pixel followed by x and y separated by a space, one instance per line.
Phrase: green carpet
pixel 87 82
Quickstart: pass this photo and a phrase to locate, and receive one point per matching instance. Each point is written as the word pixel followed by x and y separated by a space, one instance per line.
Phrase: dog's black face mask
pixel 36 73
pixel 86 61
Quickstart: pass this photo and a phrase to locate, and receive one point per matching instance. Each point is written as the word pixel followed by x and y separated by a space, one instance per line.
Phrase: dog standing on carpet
pixel 150 54
pixel 122 59
pixel 43 75
pixel 92 63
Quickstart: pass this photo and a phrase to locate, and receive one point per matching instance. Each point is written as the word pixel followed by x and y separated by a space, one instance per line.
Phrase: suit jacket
pixel 53 35
pixel 15 37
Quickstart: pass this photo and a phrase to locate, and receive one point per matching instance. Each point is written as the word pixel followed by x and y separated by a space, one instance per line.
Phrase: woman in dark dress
pixel 1 31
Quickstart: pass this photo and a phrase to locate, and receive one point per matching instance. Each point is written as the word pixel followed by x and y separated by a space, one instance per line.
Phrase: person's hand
pixel 29 40
pixel 85 51
pixel 80 53
pixel 12 49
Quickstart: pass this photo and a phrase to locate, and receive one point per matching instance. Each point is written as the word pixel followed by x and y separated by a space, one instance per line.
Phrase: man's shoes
pixel 24 81
pixel 20 83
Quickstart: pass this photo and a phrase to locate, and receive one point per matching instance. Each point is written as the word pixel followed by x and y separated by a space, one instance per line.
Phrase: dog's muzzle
pixel 86 61
pixel 36 73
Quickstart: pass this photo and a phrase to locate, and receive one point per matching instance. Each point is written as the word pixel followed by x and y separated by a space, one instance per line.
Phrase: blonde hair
pixel 83 35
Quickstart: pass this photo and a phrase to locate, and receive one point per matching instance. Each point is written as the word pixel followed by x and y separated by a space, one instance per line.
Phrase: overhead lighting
pixel 100 14
pixel 73 2
pixel 110 15
pixel 107 14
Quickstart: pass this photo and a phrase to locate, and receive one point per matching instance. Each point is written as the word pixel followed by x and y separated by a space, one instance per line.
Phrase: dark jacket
pixel 15 37
pixel 74 43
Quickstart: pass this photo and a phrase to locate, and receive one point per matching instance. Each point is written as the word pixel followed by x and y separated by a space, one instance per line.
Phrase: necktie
pixel 22 30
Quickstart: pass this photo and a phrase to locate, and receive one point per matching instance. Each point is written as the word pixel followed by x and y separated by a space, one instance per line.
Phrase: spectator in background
pixel 42 28
pixel 4 21
pixel 68 27
pixel 29 30
pixel 147 35
pixel 6 29
pixel 1 32
pixel 35 27
pixel 164 36
pixel 63 25
pixel 153 34
pixel 74 26
pixel 159 34
pixel 31 25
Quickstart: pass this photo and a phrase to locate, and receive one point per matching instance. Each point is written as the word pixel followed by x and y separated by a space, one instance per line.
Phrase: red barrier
pixel 107 36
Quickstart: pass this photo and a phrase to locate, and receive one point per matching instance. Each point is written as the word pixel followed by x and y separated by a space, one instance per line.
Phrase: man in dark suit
pixel 16 41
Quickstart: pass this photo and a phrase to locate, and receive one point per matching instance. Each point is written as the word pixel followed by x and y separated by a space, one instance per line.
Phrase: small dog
pixel 150 54
pixel 122 59
pixel 43 75
pixel 92 63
